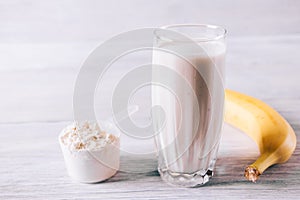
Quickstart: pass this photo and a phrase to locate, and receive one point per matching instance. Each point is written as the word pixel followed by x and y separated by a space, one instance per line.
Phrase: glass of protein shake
pixel 187 100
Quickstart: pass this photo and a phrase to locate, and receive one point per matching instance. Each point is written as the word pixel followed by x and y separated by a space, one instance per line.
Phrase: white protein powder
pixel 85 135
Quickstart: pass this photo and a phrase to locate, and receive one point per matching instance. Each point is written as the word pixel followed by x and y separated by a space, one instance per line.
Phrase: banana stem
pixel 252 173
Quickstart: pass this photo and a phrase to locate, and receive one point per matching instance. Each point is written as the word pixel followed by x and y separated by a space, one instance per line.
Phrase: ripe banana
pixel 273 134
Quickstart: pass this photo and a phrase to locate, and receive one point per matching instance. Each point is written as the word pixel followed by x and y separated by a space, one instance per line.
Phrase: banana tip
pixel 252 173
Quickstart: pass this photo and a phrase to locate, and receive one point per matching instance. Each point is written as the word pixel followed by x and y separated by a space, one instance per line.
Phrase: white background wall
pixel 88 20
pixel 76 23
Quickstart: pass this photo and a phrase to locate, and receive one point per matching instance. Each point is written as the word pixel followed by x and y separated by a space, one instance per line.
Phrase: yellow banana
pixel 273 134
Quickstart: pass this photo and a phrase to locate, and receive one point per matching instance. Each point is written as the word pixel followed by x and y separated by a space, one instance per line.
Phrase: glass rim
pixel 222 35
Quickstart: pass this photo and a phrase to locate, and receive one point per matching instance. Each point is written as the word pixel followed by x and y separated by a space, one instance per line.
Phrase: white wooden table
pixel 37 76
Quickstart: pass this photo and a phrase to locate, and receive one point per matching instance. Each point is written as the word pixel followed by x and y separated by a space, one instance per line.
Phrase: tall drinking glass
pixel 188 94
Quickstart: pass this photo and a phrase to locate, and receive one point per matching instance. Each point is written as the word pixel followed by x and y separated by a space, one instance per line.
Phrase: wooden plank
pixel 268 70
pixel 33 168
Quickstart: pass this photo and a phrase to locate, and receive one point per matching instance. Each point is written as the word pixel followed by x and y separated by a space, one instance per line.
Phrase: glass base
pixel 195 179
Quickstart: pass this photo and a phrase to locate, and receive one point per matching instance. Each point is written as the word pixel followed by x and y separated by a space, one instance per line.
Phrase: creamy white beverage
pixel 191 95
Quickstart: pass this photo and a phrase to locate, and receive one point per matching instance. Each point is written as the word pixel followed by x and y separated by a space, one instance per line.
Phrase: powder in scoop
pixel 85 135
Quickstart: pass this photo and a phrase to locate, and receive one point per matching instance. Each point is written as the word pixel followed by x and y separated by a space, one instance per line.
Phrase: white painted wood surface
pixel 42 45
